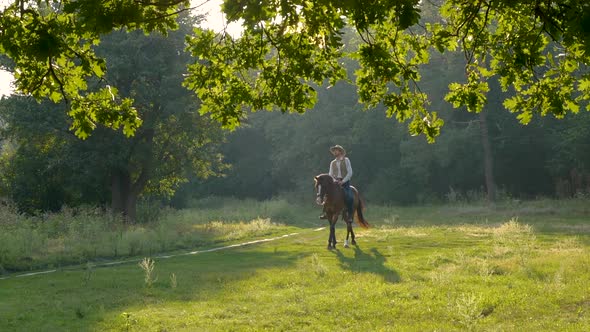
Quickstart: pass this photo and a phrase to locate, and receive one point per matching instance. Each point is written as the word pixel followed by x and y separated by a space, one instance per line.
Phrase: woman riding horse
pixel 331 195
pixel 341 171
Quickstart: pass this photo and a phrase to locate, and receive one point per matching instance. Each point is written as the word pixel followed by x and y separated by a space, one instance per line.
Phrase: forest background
pixel 178 156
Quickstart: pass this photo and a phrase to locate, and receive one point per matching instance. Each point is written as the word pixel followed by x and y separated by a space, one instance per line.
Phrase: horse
pixel 331 195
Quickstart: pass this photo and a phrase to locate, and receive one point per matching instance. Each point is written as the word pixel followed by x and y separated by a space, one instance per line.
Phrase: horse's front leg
pixel 331 234
pixel 332 238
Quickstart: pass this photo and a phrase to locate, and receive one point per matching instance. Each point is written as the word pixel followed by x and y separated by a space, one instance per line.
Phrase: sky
pixel 5 79
pixel 215 21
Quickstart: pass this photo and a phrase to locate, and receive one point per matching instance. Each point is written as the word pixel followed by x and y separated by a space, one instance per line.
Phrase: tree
pixel 42 165
pixel 174 138
pixel 50 47
pixel 537 49
pixel 173 142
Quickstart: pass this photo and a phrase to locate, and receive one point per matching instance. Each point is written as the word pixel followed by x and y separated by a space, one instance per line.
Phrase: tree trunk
pixel 117 193
pixel 125 191
pixel 131 207
pixel 123 197
pixel 488 161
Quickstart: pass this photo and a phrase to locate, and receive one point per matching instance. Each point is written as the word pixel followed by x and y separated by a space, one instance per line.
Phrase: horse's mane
pixel 325 176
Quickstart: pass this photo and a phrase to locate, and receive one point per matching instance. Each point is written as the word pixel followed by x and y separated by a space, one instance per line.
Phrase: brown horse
pixel 331 196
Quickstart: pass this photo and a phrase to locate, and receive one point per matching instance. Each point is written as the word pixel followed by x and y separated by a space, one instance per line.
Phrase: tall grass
pixel 77 236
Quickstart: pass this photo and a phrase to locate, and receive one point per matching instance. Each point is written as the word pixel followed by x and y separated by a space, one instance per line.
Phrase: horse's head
pixel 321 185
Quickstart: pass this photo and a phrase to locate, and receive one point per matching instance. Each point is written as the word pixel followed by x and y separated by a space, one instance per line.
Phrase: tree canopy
pixel 46 166
pixel 50 47
pixel 539 51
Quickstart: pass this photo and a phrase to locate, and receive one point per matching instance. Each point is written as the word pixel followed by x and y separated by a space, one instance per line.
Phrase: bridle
pixel 321 193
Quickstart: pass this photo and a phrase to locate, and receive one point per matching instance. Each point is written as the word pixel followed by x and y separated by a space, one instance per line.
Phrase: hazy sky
pixel 5 79
pixel 215 21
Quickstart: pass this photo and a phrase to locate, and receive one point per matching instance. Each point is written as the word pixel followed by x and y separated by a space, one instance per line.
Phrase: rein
pixel 322 191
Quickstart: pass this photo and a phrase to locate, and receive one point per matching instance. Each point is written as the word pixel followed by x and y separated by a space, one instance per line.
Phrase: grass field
pixel 512 267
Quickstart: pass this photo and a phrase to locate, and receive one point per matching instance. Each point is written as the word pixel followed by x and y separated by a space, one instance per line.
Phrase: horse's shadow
pixel 373 262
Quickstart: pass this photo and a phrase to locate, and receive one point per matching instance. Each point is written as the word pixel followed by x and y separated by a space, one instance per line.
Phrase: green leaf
pixel 55 96
pixel 525 117
pixel 511 104
pixel 572 106
pixel 584 85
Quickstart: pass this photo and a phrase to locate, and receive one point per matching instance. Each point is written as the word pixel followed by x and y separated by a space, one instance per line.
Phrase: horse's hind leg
pixel 345 218
pixel 349 232
pixel 356 205
pixel 333 226
pixel 347 235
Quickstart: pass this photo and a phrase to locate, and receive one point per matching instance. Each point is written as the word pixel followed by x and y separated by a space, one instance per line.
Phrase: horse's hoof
pixel 346 246
pixel 330 247
pixel 354 243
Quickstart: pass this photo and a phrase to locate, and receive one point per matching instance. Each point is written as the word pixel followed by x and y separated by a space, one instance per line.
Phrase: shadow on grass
pixel 372 262
pixel 46 302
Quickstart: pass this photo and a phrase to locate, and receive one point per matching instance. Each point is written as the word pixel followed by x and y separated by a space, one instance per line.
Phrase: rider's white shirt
pixel 338 174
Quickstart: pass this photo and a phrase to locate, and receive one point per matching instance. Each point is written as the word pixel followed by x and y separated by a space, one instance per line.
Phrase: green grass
pixel 442 268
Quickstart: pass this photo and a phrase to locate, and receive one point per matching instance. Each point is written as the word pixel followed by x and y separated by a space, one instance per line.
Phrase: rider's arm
pixel 348 170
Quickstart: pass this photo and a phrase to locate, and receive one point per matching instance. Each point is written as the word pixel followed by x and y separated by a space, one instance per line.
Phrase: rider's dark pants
pixel 348 198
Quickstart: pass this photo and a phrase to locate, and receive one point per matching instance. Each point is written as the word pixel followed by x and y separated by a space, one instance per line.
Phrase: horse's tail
pixel 360 219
